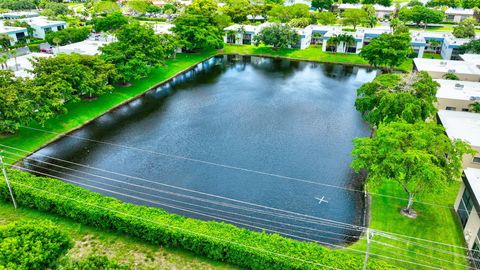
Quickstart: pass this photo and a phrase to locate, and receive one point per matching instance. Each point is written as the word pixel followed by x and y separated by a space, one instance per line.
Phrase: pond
pixel 258 142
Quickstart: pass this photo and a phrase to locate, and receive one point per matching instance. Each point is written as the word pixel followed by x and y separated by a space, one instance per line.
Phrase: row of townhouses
pixel 422 41
pixel 40 25
pixel 454 100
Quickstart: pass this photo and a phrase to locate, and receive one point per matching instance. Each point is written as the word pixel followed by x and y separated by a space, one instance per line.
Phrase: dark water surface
pixel 245 141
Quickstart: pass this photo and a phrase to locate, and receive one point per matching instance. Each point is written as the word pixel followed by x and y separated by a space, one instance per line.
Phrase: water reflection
pixel 226 138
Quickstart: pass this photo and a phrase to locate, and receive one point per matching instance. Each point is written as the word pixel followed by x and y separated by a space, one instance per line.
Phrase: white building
pixel 380 11
pixel 42 26
pixel 18 15
pixel 467 207
pixel 163 28
pixel 450 47
pixel 457 95
pixel 438 68
pixel 464 126
pixel 87 47
pixel 241 34
pixel 471 58
pixel 293 2
pixel 458 14
pixel 15 33
pixel 21 65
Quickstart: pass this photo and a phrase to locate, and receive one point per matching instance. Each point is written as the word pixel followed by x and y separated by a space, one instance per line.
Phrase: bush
pixel 215 240
pixel 94 262
pixel 69 35
pixel 31 245
pixel 34 47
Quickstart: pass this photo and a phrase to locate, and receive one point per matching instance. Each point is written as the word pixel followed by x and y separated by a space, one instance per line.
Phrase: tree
pixel 450 76
pixel 134 59
pixel 443 3
pixel 322 4
pixel 69 35
pixel 371 19
pixel 325 18
pixel 55 9
pixel 388 50
pixel 286 13
pixel 354 17
pixel 419 157
pixel 393 97
pixel 138 6
pixel 470 47
pixel 418 14
pixel 110 23
pixel 32 245
pixel 237 10
pixel 413 3
pixel 475 107
pixel 278 36
pixel 78 75
pixel 385 3
pixel 200 26
pixel 467 4
pixel 465 29
pixel 435 45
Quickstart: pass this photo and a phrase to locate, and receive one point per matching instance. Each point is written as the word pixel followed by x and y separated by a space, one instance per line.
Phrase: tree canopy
pixel 418 14
pixel 201 26
pixel 354 17
pixel 109 23
pixel 322 4
pixel 286 13
pixel 471 47
pixel 325 18
pixel 465 29
pixel 419 157
pixel 134 59
pixel 68 35
pixel 278 36
pixel 388 50
pixel 393 97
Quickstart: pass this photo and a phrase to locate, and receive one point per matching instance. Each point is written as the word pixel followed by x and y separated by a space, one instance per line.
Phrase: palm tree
pixel 57 41
pixel 347 40
pixel 3 61
pixel 14 53
pixel 334 40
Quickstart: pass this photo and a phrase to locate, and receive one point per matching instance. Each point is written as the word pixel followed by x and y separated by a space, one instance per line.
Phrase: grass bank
pixel 84 111
pixel 123 248
pixel 312 53
pixel 436 222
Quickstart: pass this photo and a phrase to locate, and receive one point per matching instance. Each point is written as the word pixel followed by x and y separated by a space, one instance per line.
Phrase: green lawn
pixel 312 53
pixel 433 223
pixel 432 56
pixel 122 248
pixel 81 112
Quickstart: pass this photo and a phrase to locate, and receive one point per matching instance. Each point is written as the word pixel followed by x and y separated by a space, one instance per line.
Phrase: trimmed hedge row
pixel 215 240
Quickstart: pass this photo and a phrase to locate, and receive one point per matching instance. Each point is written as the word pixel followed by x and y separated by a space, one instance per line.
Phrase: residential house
pixel 381 12
pixel 18 15
pixel 42 26
pixel 458 14
pixel 15 33
pixel 464 126
pixel 457 95
pixel 439 68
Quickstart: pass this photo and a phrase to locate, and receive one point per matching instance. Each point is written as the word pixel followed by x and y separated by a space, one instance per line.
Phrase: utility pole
pixel 367 253
pixel 6 180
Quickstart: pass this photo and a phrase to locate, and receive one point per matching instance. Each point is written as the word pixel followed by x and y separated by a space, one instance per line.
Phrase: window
pixel 465 110
pixel 476 159
pixel 476 253
pixel 47 30
pixel 60 27
pixel 466 205
pixel 231 39
pixel 247 39
pixel 450 108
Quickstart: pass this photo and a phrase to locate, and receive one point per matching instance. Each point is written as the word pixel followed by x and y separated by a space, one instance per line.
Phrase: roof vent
pixel 443 63
pixel 476 98
pixel 459 86
pixel 451 71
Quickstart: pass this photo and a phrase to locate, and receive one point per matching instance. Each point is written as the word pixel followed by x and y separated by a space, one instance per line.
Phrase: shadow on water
pixel 258 142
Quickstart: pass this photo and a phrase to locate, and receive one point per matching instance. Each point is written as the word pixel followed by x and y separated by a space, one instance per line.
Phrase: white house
pixel 464 126
pixel 21 65
pixel 458 14
pixel 293 2
pixel 87 47
pixel 468 209
pixel 380 11
pixel 42 26
pixel 457 95
pixel 241 34
pixel 450 47
pixel 438 68
pixel 18 15
pixel 15 33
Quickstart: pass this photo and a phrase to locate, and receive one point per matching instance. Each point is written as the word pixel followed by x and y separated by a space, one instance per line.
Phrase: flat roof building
pixel 457 95
pixel 87 47
pixel 458 14
pixel 22 64
pixel 468 209
pixel 380 11
pixel 464 126
pixel 15 33
pixel 438 68
pixel 18 15
pixel 42 25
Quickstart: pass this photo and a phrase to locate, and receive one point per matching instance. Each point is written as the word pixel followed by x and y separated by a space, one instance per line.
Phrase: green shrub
pixel 69 35
pixel 31 245
pixel 215 240
pixel 94 262
pixel 34 47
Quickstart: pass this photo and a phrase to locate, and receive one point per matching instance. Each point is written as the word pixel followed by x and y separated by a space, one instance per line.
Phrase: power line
pixel 214 209
pixel 225 198
pixel 176 227
pixel 225 166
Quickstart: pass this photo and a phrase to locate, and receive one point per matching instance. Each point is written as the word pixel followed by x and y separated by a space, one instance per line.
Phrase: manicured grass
pixel 433 223
pixel 432 56
pixel 125 249
pixel 83 111
pixel 312 53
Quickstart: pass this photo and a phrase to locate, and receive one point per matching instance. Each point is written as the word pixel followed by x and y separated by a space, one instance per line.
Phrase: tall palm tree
pixel 347 40
pixel 334 40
